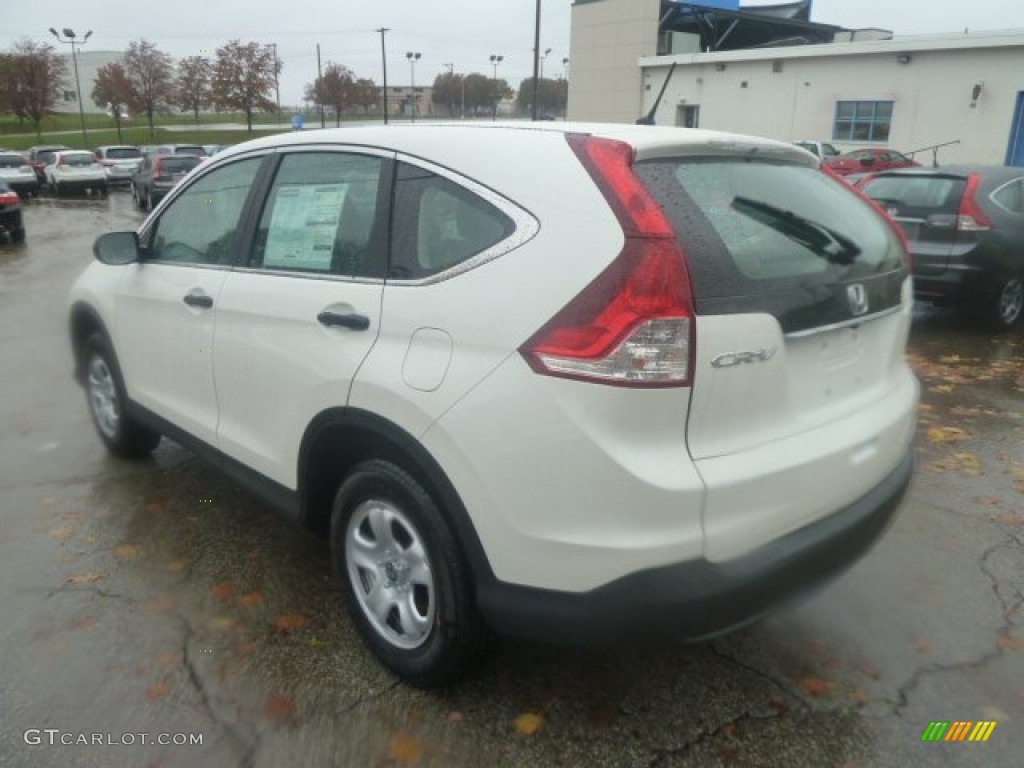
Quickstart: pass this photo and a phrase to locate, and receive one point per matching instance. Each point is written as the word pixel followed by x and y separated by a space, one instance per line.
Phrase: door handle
pixel 194 300
pixel 352 321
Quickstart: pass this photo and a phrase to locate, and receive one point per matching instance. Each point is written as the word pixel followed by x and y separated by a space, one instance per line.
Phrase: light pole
pixel 413 58
pixel 384 62
pixel 495 61
pixel 540 88
pixel 277 88
pixel 536 63
pixel 565 68
pixel 70 34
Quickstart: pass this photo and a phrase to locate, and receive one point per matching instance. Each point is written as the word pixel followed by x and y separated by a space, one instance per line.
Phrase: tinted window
pixel 123 153
pixel 916 195
pixel 201 225
pixel 190 150
pixel 321 216
pixel 782 239
pixel 11 161
pixel 439 224
pixel 78 161
pixel 1011 196
pixel 183 164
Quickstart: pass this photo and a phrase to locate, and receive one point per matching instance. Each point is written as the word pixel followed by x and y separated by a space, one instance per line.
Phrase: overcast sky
pixel 461 32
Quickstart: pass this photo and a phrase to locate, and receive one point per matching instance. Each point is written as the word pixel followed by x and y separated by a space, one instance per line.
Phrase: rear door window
pixel 776 238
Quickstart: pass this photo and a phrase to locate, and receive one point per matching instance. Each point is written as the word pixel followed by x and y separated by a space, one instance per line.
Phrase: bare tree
pixel 150 72
pixel 243 78
pixel 37 73
pixel 193 86
pixel 113 90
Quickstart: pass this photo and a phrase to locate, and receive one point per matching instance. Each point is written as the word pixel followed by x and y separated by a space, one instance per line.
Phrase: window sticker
pixel 304 226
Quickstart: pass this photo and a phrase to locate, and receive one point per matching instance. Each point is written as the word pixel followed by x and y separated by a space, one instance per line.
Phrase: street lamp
pixel 540 86
pixel 75 44
pixel 495 61
pixel 565 68
pixel 413 58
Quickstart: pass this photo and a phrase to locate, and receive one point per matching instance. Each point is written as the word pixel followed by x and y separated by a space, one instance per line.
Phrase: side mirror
pixel 117 248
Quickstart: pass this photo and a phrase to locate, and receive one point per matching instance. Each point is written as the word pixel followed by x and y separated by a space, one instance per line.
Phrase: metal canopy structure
pixel 724 29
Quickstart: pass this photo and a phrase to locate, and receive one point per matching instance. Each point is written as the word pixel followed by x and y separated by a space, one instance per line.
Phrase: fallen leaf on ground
pixel 168 659
pixel 127 551
pixel 923 646
pixel 988 501
pixel 251 599
pixel 155 506
pixel 869 670
pixel 83 578
pixel 859 697
pixel 1010 643
pixel 157 691
pixel 405 749
pixel 83 623
pixel 176 566
pixel 815 686
pixel 220 623
pixel 279 708
pixel 947 434
pixel 291 621
pixel 969 463
pixel 63 533
pixel 223 591
pixel 528 723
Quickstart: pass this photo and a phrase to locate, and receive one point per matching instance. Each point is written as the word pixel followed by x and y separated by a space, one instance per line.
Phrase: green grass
pixel 136 136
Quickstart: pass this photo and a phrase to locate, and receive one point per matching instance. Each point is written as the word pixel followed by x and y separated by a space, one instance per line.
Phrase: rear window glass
pixel 179 164
pixel 777 238
pixel 190 151
pixel 11 161
pixel 908 195
pixel 123 153
pixel 78 161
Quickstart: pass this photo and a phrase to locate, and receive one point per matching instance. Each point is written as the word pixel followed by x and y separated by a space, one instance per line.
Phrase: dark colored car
pixel 869 160
pixel 965 227
pixel 11 223
pixel 38 156
pixel 158 174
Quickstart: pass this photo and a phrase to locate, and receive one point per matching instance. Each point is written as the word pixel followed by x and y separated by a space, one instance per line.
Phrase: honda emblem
pixel 858 297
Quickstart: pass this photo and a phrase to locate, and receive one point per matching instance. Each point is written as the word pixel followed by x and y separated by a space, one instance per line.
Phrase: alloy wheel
pixel 103 397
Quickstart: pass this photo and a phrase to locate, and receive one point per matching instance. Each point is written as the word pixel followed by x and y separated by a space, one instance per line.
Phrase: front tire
pixel 122 435
pixel 406 584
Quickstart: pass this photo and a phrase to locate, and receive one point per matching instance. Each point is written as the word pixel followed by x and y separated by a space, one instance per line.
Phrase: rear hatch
pixel 926 207
pixel 801 291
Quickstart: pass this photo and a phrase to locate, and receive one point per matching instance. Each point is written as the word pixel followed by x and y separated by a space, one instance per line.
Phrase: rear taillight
pixel 158 167
pixel 633 325
pixel 8 198
pixel 970 217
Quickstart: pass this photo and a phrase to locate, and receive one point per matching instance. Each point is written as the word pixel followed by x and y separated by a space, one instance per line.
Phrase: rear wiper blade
pixel 824 242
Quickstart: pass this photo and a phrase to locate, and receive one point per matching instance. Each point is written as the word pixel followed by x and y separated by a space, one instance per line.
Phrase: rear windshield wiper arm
pixel 824 242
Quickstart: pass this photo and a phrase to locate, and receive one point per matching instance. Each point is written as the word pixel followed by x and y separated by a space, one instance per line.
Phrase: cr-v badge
pixel 732 359
pixel 858 297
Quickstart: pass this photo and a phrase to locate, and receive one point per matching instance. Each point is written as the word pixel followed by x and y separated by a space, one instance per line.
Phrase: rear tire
pixel 406 583
pixel 104 387
pixel 1003 306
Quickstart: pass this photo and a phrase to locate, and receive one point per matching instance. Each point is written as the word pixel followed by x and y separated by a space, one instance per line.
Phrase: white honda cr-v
pixel 582 383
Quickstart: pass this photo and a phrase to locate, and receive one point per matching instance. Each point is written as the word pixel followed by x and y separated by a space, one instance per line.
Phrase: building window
pixel 862 121
pixel 70 96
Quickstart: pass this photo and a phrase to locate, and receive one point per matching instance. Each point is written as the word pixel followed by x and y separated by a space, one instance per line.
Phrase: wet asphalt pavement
pixel 157 601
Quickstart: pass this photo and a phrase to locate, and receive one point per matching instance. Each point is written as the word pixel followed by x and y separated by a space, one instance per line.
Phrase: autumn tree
pixel 551 96
pixel 243 78
pixel 448 92
pixel 37 73
pixel 192 88
pixel 366 94
pixel 150 72
pixel 336 89
pixel 113 90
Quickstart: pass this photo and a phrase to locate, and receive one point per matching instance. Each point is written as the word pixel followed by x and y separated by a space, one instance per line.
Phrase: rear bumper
pixel 698 599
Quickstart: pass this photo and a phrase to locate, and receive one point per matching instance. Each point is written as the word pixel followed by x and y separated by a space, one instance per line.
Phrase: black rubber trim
pixel 698 599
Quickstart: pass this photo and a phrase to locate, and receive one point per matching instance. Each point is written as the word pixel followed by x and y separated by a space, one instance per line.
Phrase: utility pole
pixel 319 90
pixel 384 63
pixel 277 85
pixel 536 64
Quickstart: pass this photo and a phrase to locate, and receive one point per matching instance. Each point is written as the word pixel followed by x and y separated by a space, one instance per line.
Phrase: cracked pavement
pixel 158 597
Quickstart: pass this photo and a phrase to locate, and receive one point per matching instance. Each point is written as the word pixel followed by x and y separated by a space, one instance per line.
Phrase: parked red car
pixel 869 160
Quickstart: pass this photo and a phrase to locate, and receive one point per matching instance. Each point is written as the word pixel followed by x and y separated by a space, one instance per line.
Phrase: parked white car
pixel 75 170
pixel 572 382
pixel 18 174
pixel 119 162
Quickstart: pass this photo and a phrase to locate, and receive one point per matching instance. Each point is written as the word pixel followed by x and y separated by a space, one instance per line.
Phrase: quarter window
pixel 1011 196
pixel 321 216
pixel 862 121
pixel 439 224
pixel 201 225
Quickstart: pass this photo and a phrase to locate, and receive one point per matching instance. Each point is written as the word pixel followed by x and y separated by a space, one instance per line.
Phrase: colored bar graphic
pixel 958 730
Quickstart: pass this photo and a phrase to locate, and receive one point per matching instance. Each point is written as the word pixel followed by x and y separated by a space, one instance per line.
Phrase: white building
pixel 89 64
pixel 907 93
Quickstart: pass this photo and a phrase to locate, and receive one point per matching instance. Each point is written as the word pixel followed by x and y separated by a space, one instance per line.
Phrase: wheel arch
pixel 83 321
pixel 339 439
